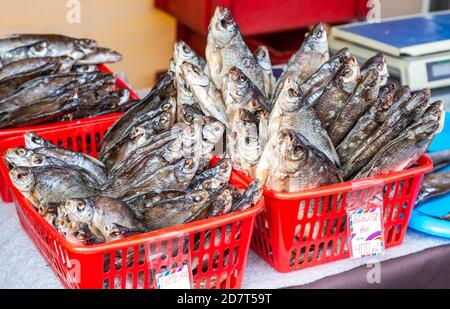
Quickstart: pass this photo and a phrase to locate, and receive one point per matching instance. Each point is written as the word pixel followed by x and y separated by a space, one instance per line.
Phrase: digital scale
pixel 417 48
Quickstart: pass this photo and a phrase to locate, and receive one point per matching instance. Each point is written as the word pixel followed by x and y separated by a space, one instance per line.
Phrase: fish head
pixel 19 156
pixel 32 140
pixel 223 27
pixel 316 40
pixel 225 198
pixel 23 178
pixel 81 210
pixel 293 151
pixel 87 46
pixel 262 56
pixel 80 233
pixel 224 167
pixel 186 169
pixel 190 114
pixel 37 160
pixel 371 84
pixel 190 138
pixel 342 55
pixel 38 50
pixel 110 55
pixel 254 192
pixel 377 62
pixel 183 52
pixel 436 112
pixel 418 103
pixel 387 89
pixel 137 133
pixel 385 102
pixel 291 96
pixel 213 130
pixel 349 75
pixel 164 121
pixel 194 76
pixel 238 83
pixel 402 92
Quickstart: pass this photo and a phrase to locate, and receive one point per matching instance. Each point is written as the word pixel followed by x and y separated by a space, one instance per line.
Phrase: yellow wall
pixel 143 34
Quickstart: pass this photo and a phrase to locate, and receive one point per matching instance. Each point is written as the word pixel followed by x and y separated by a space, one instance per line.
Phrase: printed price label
pixel 366 232
pixel 177 278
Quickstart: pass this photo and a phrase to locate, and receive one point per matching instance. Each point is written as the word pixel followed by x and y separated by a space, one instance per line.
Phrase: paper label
pixel 177 278
pixel 366 232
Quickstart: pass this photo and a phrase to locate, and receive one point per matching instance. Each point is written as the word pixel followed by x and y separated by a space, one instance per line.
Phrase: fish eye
pixel 198 198
pixel 21 152
pixel 167 106
pixel 189 117
pixel 293 92
pixel 81 206
pixel 36 139
pixel 163 120
pixel 37 160
pixel 22 175
pixel 40 47
pixel 224 166
pixel 115 234
pixel 224 23
pixel 298 148
pixel 80 235
pixel 189 163
pixel 195 69
pixel 242 78
pixel 186 49
pixel 207 184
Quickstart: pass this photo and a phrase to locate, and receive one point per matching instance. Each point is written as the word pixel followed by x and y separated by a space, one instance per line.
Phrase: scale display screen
pixel 438 70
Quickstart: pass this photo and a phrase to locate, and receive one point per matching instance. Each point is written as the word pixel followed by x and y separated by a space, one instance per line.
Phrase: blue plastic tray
pixel 438 206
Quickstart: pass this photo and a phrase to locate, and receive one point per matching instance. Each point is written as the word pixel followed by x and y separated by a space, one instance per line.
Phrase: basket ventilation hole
pixel 106 262
pixel 329 248
pixel 235 255
pixel 226 257
pixel 320 251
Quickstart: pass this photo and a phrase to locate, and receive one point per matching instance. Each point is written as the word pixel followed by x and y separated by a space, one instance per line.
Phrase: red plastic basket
pixel 134 261
pixel 290 236
pixel 7 133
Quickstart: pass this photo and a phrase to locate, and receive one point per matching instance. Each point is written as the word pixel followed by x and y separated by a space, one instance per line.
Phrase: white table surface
pixel 22 266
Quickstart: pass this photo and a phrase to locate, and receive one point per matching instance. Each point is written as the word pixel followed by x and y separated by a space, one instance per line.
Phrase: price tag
pixel 176 278
pixel 366 232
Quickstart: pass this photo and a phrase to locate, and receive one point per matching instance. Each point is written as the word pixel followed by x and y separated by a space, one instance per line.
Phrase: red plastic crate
pixel 289 237
pixel 7 133
pixel 152 252
pixel 264 16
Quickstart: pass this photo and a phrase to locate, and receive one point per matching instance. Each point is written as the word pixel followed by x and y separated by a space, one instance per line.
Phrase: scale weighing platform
pixel 417 48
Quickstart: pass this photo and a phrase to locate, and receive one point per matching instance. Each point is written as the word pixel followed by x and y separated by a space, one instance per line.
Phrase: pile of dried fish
pixel 45 77
pixel 157 175
pixel 325 120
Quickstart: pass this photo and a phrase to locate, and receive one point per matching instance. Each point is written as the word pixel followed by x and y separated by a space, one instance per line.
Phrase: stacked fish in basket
pixel 324 121
pixel 47 78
